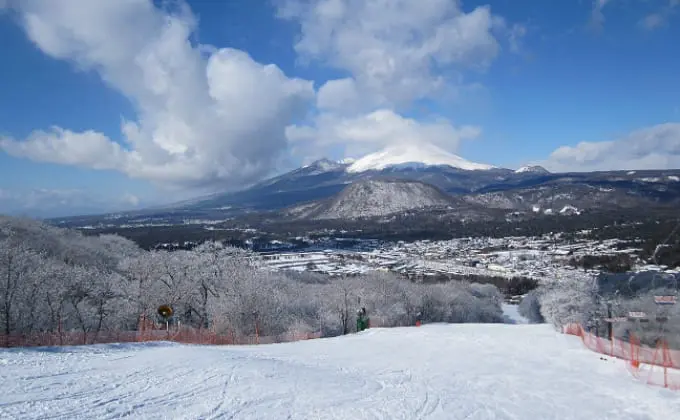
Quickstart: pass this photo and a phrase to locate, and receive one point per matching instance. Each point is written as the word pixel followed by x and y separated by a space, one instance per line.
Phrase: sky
pixel 123 104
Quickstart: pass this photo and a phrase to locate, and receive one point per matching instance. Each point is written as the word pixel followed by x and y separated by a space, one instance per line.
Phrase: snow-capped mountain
pixel 372 198
pixel 413 155
pixel 324 165
pixel 536 169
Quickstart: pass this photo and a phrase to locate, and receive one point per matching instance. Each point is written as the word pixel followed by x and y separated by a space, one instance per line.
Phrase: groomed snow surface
pixel 463 371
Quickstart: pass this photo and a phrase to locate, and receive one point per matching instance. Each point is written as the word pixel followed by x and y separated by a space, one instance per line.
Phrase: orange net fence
pixel 150 330
pixel 186 335
pixel 657 365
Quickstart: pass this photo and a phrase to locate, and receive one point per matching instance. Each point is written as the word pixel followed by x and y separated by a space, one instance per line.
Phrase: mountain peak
pixel 532 169
pixel 324 165
pixel 416 155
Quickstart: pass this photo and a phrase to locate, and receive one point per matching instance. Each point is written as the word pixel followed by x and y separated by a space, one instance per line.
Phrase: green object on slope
pixel 362 323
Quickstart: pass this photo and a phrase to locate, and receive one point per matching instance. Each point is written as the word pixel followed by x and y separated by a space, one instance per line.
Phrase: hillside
pixel 438 371
pixel 373 198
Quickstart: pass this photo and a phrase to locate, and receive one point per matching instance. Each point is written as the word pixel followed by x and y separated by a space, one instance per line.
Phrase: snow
pixel 463 371
pixel 323 165
pixel 415 155
pixel 569 210
pixel 531 168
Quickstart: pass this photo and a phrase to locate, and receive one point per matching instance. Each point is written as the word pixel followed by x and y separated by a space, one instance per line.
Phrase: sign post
pixel 665 300
pixel 166 312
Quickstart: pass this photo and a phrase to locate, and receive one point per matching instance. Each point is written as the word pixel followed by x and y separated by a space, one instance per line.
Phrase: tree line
pixel 591 302
pixel 54 280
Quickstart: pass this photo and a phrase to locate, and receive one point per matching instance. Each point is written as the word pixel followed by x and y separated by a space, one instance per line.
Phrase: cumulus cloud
pixel 395 49
pixel 656 147
pixel 395 53
pixel 88 149
pixel 214 117
pixel 205 116
pixel 378 129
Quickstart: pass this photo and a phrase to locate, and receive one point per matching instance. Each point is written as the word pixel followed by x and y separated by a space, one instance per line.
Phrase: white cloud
pixel 395 52
pixel 517 34
pixel 660 18
pixel 368 132
pixel 656 147
pixel 396 49
pixel 89 149
pixel 207 116
pixel 597 14
pixel 200 121
pixel 650 21
pixel 343 95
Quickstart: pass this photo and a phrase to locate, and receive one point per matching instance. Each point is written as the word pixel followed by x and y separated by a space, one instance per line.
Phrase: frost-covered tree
pixel 530 307
pixel 564 302
pixel 57 280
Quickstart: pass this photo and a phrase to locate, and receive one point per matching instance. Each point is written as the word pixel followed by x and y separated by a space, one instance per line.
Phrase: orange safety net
pixel 657 365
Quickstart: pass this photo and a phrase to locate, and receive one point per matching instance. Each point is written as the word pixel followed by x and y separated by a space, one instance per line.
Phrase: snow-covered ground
pixel 464 371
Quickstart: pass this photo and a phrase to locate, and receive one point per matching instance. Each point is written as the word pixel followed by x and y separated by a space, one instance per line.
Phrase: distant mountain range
pixel 368 186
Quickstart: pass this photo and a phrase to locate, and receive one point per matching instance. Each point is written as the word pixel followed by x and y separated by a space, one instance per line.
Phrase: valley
pixel 430 216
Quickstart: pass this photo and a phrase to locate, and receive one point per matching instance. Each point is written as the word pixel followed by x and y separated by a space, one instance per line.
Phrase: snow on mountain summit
pixel 413 155
pixel 322 165
pixel 532 169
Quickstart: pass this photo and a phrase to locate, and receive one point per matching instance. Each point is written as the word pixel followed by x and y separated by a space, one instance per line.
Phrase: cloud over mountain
pixel 203 115
pixel 395 53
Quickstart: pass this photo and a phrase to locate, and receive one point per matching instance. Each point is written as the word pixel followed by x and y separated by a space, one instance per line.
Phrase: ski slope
pixel 464 371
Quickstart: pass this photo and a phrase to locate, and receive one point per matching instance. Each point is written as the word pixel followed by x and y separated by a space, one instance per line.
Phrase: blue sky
pixel 218 94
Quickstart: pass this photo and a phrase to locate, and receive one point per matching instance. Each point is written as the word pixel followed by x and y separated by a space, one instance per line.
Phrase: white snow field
pixel 459 371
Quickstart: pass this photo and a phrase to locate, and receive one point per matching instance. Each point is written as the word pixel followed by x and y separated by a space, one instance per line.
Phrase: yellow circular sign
pixel 165 311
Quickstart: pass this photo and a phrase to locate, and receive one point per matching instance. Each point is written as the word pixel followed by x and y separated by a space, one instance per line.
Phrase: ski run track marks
pixel 458 371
